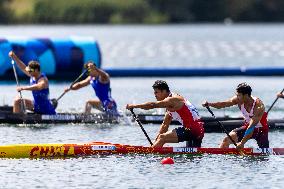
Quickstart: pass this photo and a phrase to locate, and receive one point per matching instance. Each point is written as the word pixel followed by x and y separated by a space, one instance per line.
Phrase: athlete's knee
pixel 17 100
pixel 89 104
pixel 227 140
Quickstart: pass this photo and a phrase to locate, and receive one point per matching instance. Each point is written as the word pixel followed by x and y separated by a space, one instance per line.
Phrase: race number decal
pixel 58 117
pixel 182 150
pixel 263 150
pixel 103 147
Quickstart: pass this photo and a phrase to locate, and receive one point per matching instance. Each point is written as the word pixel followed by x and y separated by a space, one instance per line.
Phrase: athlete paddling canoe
pixel 179 108
pixel 38 85
pixel 100 81
pixel 255 117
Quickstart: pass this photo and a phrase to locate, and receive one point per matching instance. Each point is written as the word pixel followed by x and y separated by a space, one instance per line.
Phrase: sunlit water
pixel 130 171
pixel 208 171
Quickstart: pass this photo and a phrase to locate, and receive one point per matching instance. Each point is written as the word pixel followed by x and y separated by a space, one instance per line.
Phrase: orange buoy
pixel 167 160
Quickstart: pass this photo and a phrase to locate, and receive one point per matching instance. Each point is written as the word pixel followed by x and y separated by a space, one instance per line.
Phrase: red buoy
pixel 167 160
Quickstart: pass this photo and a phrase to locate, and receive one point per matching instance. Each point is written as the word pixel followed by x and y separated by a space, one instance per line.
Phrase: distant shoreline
pixel 139 12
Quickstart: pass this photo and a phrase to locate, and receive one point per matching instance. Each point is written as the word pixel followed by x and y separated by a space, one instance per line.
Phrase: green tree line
pixel 139 11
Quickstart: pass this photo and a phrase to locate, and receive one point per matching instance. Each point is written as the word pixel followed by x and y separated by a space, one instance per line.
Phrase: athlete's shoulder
pixel 234 99
pixel 43 77
pixel 259 104
pixel 174 98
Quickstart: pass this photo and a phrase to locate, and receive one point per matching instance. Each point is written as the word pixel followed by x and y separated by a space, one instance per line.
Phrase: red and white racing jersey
pixel 188 116
pixel 248 115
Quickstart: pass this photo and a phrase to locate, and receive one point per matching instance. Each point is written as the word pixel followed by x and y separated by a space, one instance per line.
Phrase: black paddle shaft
pixel 221 125
pixel 55 101
pixel 76 80
pixel 274 102
pixel 140 124
pixel 23 108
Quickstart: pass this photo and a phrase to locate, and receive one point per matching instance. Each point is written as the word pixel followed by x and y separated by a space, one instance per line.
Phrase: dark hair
pixel 161 85
pixel 88 62
pixel 244 88
pixel 34 65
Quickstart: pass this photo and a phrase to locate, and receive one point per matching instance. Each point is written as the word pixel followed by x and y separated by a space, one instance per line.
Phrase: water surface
pixel 152 46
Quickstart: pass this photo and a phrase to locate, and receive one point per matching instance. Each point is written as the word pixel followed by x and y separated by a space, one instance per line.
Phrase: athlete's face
pixel 33 72
pixel 241 97
pixel 92 70
pixel 160 94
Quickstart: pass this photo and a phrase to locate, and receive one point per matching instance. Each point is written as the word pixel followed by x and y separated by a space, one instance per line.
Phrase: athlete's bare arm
pixel 103 76
pixel 81 84
pixel 19 62
pixel 166 103
pixel 165 125
pixel 258 112
pixel 42 84
pixel 230 102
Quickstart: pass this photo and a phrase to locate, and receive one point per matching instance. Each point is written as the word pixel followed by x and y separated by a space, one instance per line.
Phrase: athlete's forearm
pixel 218 105
pixel 163 128
pixel 249 132
pixel 20 63
pixel 76 86
pixel 35 87
pixel 145 106
pixel 247 136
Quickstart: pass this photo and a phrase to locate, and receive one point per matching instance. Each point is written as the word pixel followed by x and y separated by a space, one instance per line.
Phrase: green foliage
pixel 175 10
pixel 6 15
pixel 156 18
pixel 139 11
pixel 89 11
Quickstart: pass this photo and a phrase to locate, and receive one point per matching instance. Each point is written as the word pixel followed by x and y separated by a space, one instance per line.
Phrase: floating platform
pixel 60 58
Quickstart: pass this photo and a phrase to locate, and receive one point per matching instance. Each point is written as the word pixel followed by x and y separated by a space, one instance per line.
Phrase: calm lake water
pixel 206 171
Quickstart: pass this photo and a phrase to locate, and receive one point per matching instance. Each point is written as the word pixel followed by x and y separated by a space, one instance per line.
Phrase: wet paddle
pixel 23 108
pixel 54 101
pixel 221 125
pixel 274 102
pixel 140 124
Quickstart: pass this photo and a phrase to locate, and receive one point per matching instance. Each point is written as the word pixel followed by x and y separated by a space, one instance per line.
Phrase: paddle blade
pixel 54 103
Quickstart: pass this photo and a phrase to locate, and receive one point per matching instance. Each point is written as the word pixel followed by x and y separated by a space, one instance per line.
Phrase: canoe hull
pixel 89 149
pixel 11 118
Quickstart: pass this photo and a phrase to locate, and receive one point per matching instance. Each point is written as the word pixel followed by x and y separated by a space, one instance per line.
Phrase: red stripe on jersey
pixel 264 122
pixel 187 118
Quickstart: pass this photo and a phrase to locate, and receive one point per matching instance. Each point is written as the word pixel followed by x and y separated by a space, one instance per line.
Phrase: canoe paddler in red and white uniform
pixel 177 107
pixel 255 118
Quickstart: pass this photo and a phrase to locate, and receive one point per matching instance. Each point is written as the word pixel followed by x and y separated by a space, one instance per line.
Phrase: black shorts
pixel 186 135
pixel 259 135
